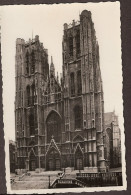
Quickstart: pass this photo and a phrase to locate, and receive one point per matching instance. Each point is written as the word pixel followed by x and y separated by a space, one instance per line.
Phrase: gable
pixel 78 138
pixel 52 147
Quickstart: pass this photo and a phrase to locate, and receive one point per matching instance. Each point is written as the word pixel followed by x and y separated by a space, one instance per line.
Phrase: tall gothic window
pixel 36 122
pixel 79 86
pixel 31 124
pixel 78 43
pixel 71 46
pixel 33 94
pixel 78 117
pixel 27 62
pixel 53 127
pixel 32 62
pixel 72 84
pixel 28 95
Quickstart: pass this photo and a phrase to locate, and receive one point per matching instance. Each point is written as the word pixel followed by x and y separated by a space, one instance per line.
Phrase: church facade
pixel 60 122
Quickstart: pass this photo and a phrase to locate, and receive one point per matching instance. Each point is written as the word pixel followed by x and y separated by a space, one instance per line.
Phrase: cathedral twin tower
pixel 60 124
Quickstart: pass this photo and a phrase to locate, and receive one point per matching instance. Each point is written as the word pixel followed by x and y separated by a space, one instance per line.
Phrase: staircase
pixel 67 183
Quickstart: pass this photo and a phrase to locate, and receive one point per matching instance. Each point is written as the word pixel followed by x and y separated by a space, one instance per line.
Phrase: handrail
pixel 68 181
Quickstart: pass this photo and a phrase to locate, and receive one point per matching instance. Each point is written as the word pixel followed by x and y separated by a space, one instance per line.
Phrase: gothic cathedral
pixel 60 122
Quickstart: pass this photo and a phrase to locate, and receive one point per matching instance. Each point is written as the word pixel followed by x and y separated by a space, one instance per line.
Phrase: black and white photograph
pixel 62 98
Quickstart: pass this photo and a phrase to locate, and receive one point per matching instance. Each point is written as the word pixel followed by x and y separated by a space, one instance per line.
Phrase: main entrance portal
pixel 54 164
pixel 53 161
pixel 79 164
pixel 78 159
pixel 32 165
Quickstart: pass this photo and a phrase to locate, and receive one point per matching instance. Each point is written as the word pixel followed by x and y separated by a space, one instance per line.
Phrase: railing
pixel 100 179
pixel 67 182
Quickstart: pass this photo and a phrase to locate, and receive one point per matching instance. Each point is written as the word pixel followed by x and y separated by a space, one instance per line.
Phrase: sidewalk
pixel 118 169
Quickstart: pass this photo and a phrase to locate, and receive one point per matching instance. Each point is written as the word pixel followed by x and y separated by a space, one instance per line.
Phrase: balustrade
pixel 101 179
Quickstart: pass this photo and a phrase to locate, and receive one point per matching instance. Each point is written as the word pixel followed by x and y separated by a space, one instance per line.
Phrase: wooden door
pixel 57 164
pixel 33 165
pixel 51 165
pixel 79 164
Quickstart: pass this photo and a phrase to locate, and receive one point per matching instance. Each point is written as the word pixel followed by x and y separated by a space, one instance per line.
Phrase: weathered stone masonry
pixel 60 124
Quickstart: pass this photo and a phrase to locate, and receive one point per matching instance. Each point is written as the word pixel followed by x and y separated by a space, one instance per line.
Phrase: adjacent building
pixel 112 140
pixel 60 122
pixel 12 156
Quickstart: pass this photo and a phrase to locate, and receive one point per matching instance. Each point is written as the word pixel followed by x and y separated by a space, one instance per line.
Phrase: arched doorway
pixel 53 124
pixel 79 162
pixel 32 161
pixel 53 160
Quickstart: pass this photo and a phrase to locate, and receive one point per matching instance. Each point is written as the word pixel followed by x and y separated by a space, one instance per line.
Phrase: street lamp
pixel 49 181
pixel 39 158
pixel 64 166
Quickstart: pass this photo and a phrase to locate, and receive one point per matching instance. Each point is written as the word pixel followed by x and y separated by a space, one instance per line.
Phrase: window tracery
pixel 72 84
pixel 71 46
pixel 27 62
pixel 78 117
pixel 33 94
pixel 28 95
pixel 31 124
pixel 79 85
pixel 78 43
pixel 33 62
pixel 53 127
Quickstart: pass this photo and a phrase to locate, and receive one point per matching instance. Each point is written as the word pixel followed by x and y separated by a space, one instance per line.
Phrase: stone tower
pixel 83 93
pixel 32 71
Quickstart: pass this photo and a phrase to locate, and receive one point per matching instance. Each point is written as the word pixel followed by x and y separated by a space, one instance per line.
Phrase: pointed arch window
pixel 71 46
pixel 72 84
pixel 27 62
pixel 78 117
pixel 33 62
pixel 53 127
pixel 79 85
pixel 31 124
pixel 78 43
pixel 28 95
pixel 33 94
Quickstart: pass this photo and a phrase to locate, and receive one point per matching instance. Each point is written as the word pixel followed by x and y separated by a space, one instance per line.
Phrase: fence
pixel 100 179
pixel 67 183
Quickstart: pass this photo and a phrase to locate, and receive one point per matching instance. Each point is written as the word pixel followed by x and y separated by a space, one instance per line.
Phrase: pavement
pixel 35 180
pixel 118 169
pixel 41 180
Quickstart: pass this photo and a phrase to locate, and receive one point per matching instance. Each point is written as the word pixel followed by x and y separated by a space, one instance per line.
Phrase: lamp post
pixel 39 158
pixel 64 166
pixel 49 181
pixel 79 165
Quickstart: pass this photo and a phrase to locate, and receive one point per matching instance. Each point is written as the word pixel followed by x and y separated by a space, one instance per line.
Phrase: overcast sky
pixel 47 21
